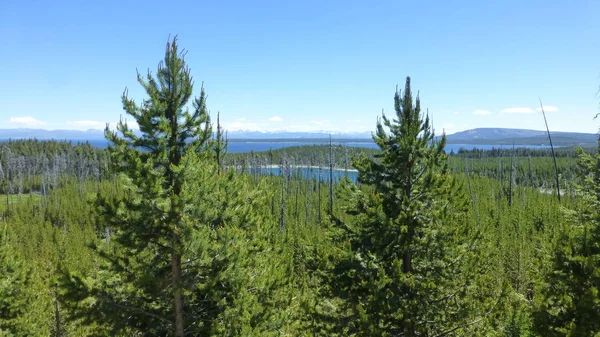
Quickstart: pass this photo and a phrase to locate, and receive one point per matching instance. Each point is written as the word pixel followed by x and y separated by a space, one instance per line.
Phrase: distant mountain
pixel 500 136
pixel 51 134
pixel 494 134
pixel 488 136
pixel 241 134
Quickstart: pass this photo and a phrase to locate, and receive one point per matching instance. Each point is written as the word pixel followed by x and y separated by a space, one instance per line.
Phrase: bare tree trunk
pixel 551 148
pixel 297 191
pixel 307 201
pixel 2 177
pixel 530 172
pixel 330 176
pixel 282 209
pixel 510 182
pixel 29 182
pixel 20 171
pixel 345 162
pixel 473 197
pixel 319 193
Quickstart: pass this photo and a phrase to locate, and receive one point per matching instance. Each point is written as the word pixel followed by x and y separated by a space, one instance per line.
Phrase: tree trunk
pixel 297 191
pixel 511 178
pixel 282 214
pixel 177 298
pixel 407 262
pixel 330 176
pixel 57 327
pixel 175 155
pixel 410 235
pixel 319 194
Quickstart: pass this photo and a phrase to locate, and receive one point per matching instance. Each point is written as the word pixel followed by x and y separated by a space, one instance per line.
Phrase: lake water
pixel 236 147
pixel 259 146
pixel 312 173
pixel 323 173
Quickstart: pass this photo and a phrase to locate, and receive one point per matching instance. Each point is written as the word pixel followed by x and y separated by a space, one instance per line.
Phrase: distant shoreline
pixel 300 140
pixel 309 167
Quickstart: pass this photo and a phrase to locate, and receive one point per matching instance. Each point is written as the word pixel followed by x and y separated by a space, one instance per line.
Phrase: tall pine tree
pixel 141 286
pixel 409 265
pixel 569 292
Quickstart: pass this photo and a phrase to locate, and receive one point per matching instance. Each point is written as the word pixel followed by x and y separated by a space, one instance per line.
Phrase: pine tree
pixel 14 299
pixel 410 264
pixel 193 249
pixel 569 301
pixel 141 286
pixel 221 143
pixel 240 284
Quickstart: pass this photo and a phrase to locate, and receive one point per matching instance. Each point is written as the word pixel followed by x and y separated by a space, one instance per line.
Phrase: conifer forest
pixel 165 233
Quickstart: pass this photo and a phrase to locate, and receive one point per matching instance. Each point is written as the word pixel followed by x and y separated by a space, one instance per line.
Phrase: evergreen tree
pixel 410 264
pixel 240 284
pixel 141 287
pixel 569 301
pixel 221 143
pixel 14 297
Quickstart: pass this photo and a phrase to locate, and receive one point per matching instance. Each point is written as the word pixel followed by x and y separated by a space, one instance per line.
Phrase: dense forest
pixel 164 233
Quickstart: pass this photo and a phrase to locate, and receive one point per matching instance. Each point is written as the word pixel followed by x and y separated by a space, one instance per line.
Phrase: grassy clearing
pixel 8 200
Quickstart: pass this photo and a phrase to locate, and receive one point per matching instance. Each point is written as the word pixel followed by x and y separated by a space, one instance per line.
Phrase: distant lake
pixel 236 147
pixel 261 145
pixel 321 174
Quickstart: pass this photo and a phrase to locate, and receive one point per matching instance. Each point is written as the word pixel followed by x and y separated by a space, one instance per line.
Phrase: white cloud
pixel 296 125
pixel 517 111
pixel 481 112
pixel 456 113
pixel 87 124
pixel 26 121
pixel 548 108
pixel 242 124
pixel 446 128
pixel 132 124
pixel 276 119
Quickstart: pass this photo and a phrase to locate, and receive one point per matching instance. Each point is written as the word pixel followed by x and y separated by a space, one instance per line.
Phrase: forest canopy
pixel 164 233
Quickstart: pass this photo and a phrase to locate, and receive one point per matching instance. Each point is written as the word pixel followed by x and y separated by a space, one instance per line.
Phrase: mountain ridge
pixel 506 136
pixel 490 136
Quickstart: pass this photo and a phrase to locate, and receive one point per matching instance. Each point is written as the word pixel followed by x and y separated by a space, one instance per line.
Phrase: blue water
pixel 312 173
pixel 235 147
pixel 259 146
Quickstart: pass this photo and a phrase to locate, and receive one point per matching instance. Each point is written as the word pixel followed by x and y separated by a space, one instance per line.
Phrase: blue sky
pixel 307 65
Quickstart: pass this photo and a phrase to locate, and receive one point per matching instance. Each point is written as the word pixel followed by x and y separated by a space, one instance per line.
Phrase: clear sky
pixel 307 65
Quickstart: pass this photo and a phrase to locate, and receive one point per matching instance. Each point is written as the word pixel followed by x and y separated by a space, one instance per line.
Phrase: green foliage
pixel 569 304
pixel 141 284
pixel 313 155
pixel 14 299
pixel 181 237
pixel 409 272
pixel 221 143
pixel 104 242
pixel 241 269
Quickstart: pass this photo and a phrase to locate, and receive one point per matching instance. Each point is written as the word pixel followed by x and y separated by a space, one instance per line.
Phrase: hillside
pixel 501 136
